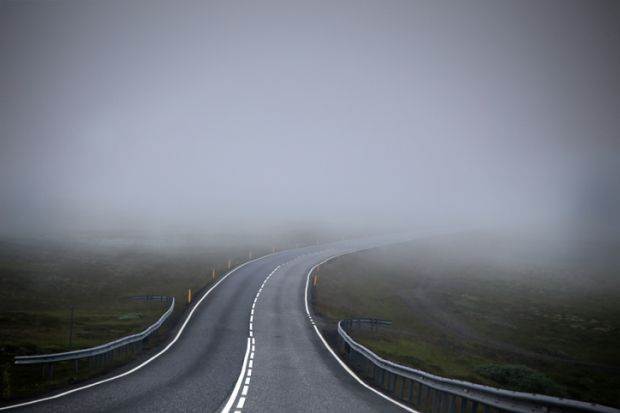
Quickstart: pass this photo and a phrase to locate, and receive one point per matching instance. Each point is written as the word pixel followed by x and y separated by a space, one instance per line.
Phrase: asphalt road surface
pixel 248 347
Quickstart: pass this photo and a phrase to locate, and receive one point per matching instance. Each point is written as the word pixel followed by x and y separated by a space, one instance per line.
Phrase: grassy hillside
pixel 40 282
pixel 487 309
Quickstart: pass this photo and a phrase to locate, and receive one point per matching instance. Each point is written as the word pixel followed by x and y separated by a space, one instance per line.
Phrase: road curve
pixel 291 369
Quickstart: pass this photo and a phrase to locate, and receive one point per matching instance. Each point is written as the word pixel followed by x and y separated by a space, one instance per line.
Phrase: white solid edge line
pixel 235 391
pixel 138 367
pixel 327 346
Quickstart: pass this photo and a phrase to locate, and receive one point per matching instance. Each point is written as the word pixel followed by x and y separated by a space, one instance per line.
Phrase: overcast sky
pixel 207 114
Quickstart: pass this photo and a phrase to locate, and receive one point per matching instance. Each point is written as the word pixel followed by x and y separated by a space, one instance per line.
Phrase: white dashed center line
pixel 243 382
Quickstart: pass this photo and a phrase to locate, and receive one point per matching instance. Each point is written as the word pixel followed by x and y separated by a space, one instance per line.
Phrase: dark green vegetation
pixel 512 314
pixel 520 378
pixel 40 282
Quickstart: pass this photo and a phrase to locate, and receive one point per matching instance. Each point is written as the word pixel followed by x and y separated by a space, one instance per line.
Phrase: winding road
pixel 248 346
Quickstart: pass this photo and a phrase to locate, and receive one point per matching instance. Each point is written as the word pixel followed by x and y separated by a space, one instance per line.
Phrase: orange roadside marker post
pixel 189 295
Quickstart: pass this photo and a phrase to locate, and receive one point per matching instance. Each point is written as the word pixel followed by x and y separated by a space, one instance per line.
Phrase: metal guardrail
pixel 433 394
pixel 103 348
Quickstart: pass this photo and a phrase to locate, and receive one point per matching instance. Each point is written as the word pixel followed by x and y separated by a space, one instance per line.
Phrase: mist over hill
pixel 158 118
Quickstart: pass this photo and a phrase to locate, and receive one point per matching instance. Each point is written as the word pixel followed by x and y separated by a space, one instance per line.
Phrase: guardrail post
pixel 442 403
pixel 463 404
pixel 420 392
pixel 451 403
pixel 402 387
pixel 411 391
pixel 474 406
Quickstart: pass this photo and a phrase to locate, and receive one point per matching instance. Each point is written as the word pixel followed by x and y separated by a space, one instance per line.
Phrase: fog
pixel 202 116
